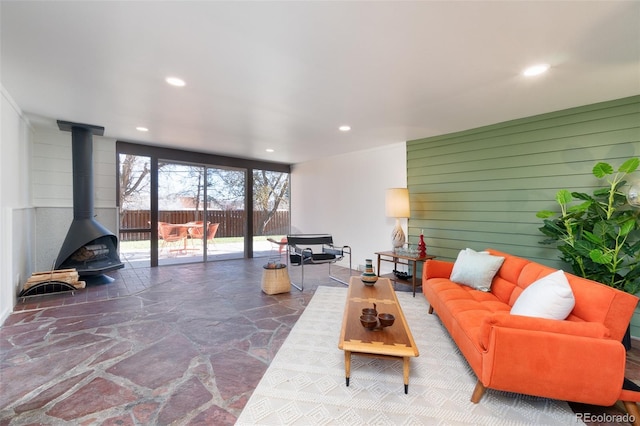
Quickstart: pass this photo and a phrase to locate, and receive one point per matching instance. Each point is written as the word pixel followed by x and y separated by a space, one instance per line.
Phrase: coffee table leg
pixel 405 373
pixel 347 365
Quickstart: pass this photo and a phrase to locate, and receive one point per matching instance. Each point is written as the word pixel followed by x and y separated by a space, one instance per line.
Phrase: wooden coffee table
pixel 392 342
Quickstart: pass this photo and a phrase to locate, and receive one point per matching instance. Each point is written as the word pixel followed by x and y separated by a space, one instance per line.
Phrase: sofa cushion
pixel 549 297
pixel 434 268
pixel 505 281
pixel 475 269
pixel 462 309
pixel 505 320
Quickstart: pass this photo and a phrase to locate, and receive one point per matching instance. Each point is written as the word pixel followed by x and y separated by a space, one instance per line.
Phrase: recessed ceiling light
pixel 270 150
pixel 142 129
pixel 175 81
pixel 344 128
pixel 536 70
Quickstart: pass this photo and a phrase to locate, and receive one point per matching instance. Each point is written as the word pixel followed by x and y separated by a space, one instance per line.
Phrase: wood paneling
pixel 482 187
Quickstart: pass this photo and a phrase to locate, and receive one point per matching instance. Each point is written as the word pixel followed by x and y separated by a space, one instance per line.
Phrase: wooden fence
pixel 232 222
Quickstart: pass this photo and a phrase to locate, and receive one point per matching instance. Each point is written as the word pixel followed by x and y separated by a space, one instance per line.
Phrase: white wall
pixel 16 213
pixel 344 196
pixel 53 175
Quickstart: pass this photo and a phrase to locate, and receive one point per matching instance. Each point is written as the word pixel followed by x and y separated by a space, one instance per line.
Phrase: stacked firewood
pixel 69 276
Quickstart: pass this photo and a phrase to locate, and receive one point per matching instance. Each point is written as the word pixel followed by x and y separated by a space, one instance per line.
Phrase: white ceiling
pixel 285 75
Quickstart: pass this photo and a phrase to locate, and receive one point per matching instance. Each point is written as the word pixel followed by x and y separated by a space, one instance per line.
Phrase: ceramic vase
pixel 368 277
pixel 422 247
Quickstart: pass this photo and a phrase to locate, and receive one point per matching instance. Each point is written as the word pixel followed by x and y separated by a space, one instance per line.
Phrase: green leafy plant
pixel 600 235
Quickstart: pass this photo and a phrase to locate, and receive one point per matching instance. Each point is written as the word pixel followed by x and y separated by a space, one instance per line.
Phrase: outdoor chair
pixel 170 233
pixel 301 252
pixel 197 232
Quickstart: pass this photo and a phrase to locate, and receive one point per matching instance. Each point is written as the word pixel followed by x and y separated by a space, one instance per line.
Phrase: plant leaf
pixel 594 238
pixel 601 229
pixel 583 247
pixel 551 229
pixel 545 214
pixel 630 165
pixel 582 196
pixel 580 207
pixel 601 169
pixel 599 257
pixel 602 192
pixel 563 197
pixel 627 226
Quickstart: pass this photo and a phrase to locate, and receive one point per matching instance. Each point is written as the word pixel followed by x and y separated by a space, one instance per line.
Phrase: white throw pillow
pixel 549 297
pixel 475 269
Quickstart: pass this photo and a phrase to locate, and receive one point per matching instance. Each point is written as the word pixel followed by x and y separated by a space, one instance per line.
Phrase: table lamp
pixel 397 205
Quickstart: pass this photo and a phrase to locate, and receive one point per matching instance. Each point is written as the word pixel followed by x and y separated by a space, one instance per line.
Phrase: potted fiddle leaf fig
pixel 598 235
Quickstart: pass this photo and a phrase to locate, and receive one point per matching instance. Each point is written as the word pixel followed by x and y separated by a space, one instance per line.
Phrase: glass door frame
pixel 197 158
pixel 196 213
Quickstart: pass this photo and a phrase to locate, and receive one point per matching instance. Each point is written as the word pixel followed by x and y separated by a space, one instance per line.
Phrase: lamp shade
pixel 397 202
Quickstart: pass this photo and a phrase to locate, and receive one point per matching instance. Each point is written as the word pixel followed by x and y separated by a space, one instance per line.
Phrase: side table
pixel 402 259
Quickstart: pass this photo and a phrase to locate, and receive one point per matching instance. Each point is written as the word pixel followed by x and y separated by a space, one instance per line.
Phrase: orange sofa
pixel 578 359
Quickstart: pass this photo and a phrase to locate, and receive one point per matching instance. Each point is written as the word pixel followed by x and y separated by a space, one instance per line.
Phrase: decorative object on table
pixel 397 206
pixel 410 262
pixel 377 322
pixel 386 320
pixel 369 277
pixel 600 237
pixel 422 247
pixel 407 250
pixel 402 275
pixel 369 321
pixel 370 311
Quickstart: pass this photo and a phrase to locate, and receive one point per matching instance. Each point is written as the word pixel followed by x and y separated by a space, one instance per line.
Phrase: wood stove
pixel 89 247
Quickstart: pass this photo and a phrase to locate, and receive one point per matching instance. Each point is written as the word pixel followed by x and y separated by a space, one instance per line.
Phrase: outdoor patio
pixel 137 254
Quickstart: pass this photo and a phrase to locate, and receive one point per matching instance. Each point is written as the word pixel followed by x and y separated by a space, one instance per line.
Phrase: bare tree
pixel 134 172
pixel 229 188
pixel 270 190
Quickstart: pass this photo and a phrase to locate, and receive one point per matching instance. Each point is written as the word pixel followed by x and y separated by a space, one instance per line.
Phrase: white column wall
pixel 344 195
pixel 53 175
pixel 16 212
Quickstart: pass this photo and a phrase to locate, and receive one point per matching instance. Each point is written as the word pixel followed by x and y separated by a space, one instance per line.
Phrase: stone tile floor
pixel 183 344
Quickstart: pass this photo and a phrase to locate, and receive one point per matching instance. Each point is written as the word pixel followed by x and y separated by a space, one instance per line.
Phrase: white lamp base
pixel 397 235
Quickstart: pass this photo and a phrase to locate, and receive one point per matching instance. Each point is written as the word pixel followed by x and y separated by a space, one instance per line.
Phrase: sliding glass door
pixel 270 212
pixel 179 207
pixel 134 194
pixel 226 214
pixel 181 212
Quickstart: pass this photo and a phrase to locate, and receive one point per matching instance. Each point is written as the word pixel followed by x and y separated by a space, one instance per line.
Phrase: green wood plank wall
pixel 482 187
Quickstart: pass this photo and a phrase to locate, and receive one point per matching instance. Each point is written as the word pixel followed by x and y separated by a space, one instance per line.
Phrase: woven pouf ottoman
pixel 275 278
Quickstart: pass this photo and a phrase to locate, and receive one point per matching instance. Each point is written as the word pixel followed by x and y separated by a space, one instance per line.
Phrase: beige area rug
pixel 305 383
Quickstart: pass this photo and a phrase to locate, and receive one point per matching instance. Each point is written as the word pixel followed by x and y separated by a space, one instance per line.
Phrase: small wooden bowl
pixel 386 320
pixel 368 321
pixel 369 311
